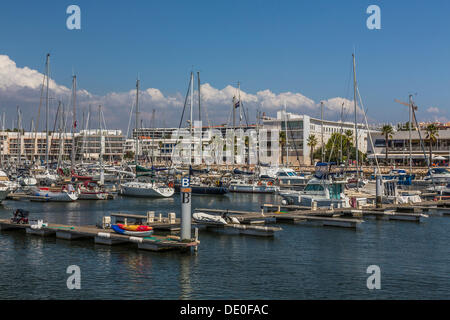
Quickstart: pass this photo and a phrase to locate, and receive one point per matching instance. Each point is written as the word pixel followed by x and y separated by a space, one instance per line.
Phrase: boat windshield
pixel 314 187
pixel 439 171
pixel 335 191
pixel 292 174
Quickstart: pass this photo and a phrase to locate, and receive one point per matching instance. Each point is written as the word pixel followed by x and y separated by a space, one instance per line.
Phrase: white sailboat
pixel 138 188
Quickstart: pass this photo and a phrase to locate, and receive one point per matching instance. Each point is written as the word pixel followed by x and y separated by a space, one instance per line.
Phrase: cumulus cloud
pixel 433 110
pixel 22 85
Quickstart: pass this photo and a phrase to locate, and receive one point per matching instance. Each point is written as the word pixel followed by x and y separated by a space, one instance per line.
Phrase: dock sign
pixel 185 187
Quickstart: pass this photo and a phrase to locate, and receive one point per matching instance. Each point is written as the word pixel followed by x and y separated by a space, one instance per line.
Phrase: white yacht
pixel 4 181
pixel 254 187
pixel 146 189
pixel 324 192
pixel 283 175
pixel 438 176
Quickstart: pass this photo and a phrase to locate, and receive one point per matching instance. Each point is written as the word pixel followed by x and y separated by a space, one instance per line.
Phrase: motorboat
pixel 284 176
pixel 324 192
pixel 4 191
pixel 261 186
pixel 4 180
pixel 438 176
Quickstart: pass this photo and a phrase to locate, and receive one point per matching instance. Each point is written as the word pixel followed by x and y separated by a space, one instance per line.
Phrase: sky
pixel 298 52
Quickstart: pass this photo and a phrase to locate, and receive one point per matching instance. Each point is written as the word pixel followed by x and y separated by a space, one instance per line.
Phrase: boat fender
pixel 104 235
pixel 136 239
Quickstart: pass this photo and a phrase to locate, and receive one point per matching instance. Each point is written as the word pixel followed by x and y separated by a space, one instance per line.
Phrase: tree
pixel 312 142
pixel 282 141
pixel 129 155
pixel 432 134
pixel 387 131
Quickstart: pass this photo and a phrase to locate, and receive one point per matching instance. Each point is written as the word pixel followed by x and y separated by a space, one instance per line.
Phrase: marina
pixel 224 151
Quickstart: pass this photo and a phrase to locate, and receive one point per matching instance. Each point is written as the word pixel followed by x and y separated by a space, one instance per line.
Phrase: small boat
pixel 91 191
pixel 146 189
pixel 4 191
pixel 121 230
pixel 256 187
pixel 438 175
pixel 57 194
pixel 201 217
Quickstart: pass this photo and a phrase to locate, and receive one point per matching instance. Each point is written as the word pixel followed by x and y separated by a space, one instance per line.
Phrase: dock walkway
pixel 102 236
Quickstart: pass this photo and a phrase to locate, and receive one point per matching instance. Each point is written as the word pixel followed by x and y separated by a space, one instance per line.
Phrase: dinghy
pixel 201 217
pixel 122 229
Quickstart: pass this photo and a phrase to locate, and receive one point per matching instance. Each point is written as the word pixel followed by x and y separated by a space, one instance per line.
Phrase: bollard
pixel 379 191
pixel 186 215
pixel 150 216
pixel 313 205
pixel 196 239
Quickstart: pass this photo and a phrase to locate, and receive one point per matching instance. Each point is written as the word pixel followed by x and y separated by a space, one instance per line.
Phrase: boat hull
pixel 146 191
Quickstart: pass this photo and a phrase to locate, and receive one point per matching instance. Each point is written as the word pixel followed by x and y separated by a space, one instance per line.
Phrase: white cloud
pixel 433 110
pixel 21 86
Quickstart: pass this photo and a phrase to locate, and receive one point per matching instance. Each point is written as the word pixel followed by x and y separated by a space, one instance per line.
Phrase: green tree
pixel 282 141
pixel 432 134
pixel 312 142
pixel 387 131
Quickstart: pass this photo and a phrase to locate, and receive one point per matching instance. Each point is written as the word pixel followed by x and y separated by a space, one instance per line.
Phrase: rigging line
pixel 129 120
pixel 368 130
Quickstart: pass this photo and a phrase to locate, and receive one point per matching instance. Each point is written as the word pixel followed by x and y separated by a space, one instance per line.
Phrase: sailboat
pixel 140 188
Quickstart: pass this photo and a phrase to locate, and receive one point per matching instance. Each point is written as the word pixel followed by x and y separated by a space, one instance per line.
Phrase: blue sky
pixel 295 46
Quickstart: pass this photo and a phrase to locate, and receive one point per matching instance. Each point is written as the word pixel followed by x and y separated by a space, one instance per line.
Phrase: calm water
pixel 300 262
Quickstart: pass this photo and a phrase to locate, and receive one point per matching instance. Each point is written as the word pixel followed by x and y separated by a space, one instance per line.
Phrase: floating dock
pixel 102 236
pixel 171 223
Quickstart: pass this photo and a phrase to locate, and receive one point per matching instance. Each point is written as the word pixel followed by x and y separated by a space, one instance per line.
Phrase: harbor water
pixel 300 262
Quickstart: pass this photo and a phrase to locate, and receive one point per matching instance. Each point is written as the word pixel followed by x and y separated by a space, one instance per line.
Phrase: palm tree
pixel 387 131
pixel 432 134
pixel 312 142
pixel 349 135
pixel 282 140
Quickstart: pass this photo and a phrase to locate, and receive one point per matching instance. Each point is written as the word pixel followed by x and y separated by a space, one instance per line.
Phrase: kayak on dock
pixel 137 232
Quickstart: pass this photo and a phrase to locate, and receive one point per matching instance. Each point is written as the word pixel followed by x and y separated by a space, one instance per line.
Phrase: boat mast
pixel 19 136
pixel 410 133
pixel 191 101
pixel 74 125
pixel 46 112
pixel 199 106
pixel 102 176
pixel 137 123
pixel 286 132
pixel 356 125
pixel 2 141
pixel 321 128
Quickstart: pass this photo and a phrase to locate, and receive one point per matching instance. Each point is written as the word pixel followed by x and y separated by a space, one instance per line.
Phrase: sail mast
pixel 137 122
pixel 192 100
pixel 199 99
pixel 356 124
pixel 102 177
pixel 74 125
pixel 46 112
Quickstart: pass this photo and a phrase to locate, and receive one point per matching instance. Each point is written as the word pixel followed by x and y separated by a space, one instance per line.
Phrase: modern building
pixel 300 127
pixel 399 147
pixel 32 145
